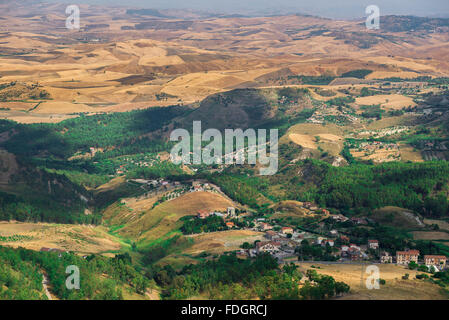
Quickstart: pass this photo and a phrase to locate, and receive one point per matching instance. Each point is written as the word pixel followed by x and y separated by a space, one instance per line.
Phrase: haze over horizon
pixel 343 9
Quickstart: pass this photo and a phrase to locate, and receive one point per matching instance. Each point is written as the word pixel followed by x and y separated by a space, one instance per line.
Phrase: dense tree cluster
pixel 209 224
pixel 229 277
pixel 100 277
pixel 121 132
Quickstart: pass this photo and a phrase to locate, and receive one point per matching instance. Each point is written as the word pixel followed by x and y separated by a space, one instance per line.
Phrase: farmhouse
pixel 359 220
pixel 287 230
pixel 231 212
pixel 198 188
pixel 268 246
pixel 438 262
pixel 196 183
pixel 218 214
pixel 354 254
pixel 373 244
pixel 405 257
pixel 265 226
pixel 386 258
pixel 230 224
pixel 203 214
pixel 339 217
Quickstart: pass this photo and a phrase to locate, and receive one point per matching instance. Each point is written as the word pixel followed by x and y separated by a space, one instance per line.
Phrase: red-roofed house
pixel 230 224
pixel 405 257
pixel 439 262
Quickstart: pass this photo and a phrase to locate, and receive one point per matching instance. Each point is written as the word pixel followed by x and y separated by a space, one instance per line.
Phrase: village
pixel 285 242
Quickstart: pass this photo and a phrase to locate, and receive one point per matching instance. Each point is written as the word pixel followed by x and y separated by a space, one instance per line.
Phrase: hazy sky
pixel 326 8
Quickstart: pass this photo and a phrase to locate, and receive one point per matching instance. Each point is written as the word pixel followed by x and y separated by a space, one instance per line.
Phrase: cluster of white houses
pixel 280 245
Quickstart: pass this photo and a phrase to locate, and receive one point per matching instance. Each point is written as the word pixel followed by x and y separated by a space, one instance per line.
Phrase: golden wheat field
pixel 395 287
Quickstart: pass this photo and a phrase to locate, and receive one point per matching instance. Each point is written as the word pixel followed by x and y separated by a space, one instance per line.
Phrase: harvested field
pixel 163 220
pixel 390 102
pixel 443 225
pixel 76 238
pixel 222 241
pixel 395 288
pixel 430 235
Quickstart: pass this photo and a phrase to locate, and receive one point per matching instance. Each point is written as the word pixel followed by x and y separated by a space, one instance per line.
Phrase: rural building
pixel 405 257
pixel 385 257
pixel 339 217
pixel 198 188
pixel 153 183
pixel 265 226
pixel 268 246
pixel 271 235
pixel 218 214
pixel 231 212
pixel 354 254
pixel 287 230
pixel 196 183
pixel 438 262
pixel 327 242
pixel 203 214
pixel 373 244
pixel 230 224
pixel 359 220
